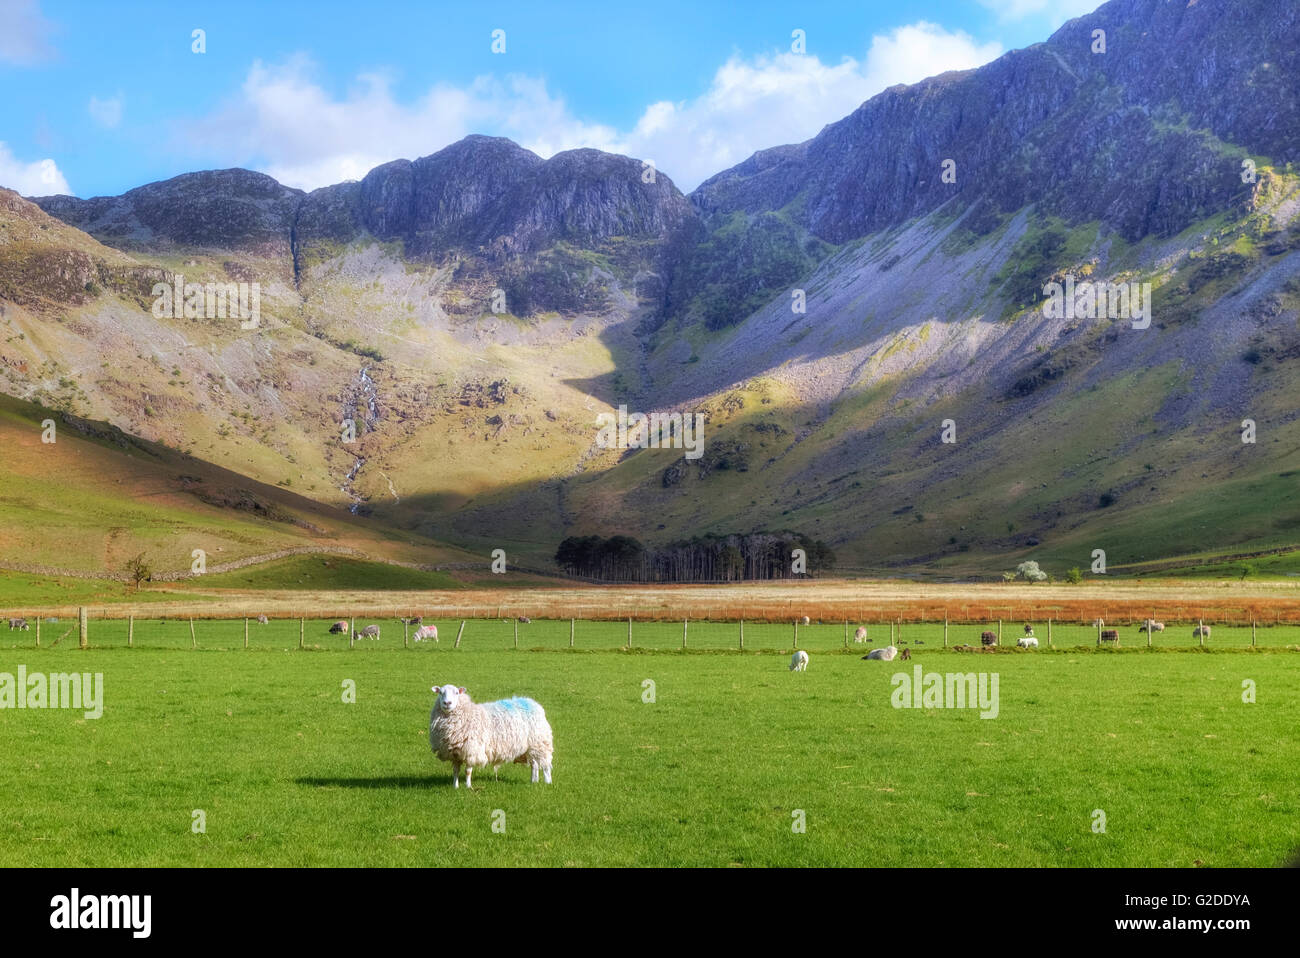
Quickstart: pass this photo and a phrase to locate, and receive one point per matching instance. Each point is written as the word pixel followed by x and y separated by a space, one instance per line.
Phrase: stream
pixel 363 395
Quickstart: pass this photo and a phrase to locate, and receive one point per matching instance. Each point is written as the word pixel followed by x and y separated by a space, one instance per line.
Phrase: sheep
pixel 799 661
pixel 1029 629
pixel 1110 635
pixel 417 620
pixel 1201 630
pixel 806 621
pixel 1153 624
pixel 905 654
pixel 369 632
pixel 887 654
pixel 525 620
pixel 987 638
pixel 339 628
pixel 465 733
pixel 19 624
pixel 861 634
pixel 1027 642
pixel 426 632
pixel 263 620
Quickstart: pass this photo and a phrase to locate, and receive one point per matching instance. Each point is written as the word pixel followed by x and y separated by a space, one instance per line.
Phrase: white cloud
pixel 787 98
pixel 24 33
pixel 41 178
pixel 107 113
pixel 288 125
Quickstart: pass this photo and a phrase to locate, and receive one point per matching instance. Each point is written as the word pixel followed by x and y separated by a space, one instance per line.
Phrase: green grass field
pixel 712 772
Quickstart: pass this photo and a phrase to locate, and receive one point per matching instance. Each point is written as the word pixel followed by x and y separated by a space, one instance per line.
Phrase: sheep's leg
pixel 534 765
pixel 455 775
pixel 469 770
pixel 546 773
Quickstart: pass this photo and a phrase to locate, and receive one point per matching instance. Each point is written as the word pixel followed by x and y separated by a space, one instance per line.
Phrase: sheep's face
pixel 449 698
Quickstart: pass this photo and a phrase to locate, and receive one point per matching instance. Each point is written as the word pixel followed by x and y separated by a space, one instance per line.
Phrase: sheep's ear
pixel 462 691
pixel 436 688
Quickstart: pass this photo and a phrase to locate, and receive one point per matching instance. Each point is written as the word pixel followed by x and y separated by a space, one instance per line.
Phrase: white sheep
pixel 426 632
pixel 886 654
pixel 799 661
pixel 1201 631
pixel 465 733
pixel 807 621
pixel 1027 642
pixel 861 634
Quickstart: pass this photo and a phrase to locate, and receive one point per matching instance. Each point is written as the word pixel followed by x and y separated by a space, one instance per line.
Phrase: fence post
pixel 629 631
pixel 130 631
pixel 302 631
pixel 685 623
pixel 945 628
pixel 38 631
pixel 245 631
pixel 352 631
pixel 1201 632
pixel 999 631
pixel 459 633
pixel 846 633
pixel 516 633
pixel 84 624
pixel 406 628
pixel 1252 630
pixel 900 631
pixel 571 633
pixel 742 633
pixel 796 633
pixel 1049 633
pixel 194 642
pixel 1150 623
pixel 1099 633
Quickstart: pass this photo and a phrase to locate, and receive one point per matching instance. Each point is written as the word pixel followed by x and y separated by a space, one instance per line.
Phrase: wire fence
pixel 175 632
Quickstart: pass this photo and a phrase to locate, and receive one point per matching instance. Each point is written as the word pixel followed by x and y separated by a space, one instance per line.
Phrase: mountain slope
pixel 474 310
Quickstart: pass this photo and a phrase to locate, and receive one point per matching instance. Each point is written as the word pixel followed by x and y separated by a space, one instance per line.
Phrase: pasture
pixel 714 771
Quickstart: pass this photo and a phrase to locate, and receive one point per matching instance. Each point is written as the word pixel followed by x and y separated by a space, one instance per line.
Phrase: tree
pixel 1074 576
pixel 1030 572
pixel 139 569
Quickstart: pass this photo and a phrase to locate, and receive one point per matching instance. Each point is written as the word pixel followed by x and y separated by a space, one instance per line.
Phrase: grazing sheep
pixel 887 654
pixel 918 642
pixel 525 620
pixel 1028 642
pixel 799 661
pixel 263 620
pixel 339 628
pixel 369 632
pixel 905 654
pixel 1098 623
pixel 1029 629
pixel 987 638
pixel 1110 635
pixel 20 624
pixel 426 632
pixel 1201 630
pixel 1155 626
pixel 861 634
pixel 465 733
pixel 418 620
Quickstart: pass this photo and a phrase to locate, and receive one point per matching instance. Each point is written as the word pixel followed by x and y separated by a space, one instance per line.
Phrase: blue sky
pixel 102 97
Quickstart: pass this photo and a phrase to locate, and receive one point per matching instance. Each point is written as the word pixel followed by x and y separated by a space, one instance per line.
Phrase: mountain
pixel 474 310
